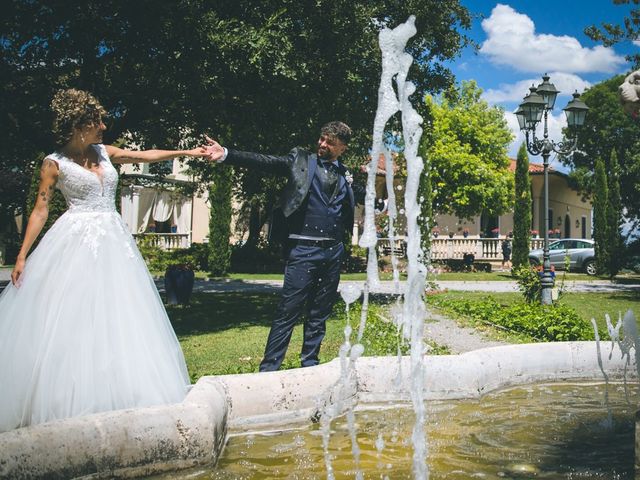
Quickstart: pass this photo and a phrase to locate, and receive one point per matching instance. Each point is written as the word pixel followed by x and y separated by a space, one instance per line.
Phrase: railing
pixel 166 241
pixel 452 248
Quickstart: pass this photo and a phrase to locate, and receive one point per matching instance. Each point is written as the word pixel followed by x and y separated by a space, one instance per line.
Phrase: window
pixel 583 226
pixel 557 246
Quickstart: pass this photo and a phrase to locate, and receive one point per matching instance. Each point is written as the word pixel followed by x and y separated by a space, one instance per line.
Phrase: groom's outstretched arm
pixel 272 163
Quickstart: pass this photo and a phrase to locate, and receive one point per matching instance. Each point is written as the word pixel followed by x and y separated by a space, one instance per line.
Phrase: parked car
pixel 579 250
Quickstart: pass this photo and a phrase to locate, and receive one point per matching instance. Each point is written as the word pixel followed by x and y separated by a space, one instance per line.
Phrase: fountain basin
pixel 135 442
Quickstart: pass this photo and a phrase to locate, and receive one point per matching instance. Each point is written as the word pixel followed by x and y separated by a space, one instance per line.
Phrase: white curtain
pixel 145 206
pixel 163 207
pixel 182 215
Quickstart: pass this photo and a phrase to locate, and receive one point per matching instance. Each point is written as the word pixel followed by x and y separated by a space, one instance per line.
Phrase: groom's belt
pixel 326 243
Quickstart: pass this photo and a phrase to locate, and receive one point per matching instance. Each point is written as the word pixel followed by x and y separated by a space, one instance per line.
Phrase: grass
pixel 226 333
pixel 588 305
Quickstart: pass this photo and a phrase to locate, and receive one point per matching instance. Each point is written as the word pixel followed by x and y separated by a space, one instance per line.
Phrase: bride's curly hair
pixel 73 109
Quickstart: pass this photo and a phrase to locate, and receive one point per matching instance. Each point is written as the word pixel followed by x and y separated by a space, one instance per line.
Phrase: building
pixel 569 214
pixel 157 208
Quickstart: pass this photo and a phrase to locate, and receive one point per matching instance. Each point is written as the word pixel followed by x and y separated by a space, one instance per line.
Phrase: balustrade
pixel 456 247
pixel 166 241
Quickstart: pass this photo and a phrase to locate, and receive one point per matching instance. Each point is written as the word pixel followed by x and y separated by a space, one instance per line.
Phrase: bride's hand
pixel 198 152
pixel 17 271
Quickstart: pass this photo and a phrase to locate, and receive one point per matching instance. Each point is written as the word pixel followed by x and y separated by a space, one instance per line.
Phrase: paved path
pixel 388 287
pixel 445 331
pixel 220 286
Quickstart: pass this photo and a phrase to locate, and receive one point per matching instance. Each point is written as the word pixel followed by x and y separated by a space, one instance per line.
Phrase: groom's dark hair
pixel 339 130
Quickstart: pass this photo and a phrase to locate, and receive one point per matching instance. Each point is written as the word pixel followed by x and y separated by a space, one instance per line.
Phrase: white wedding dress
pixel 86 330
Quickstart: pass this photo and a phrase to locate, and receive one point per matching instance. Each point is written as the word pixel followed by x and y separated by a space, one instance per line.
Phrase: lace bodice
pixel 84 190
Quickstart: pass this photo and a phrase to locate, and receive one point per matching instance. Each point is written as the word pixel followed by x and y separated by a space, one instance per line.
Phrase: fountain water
pixel 395 67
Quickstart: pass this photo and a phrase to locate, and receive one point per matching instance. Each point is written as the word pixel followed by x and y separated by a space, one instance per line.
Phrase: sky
pixel 521 40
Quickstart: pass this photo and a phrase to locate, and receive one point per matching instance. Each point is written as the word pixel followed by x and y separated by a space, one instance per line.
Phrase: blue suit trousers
pixel 311 280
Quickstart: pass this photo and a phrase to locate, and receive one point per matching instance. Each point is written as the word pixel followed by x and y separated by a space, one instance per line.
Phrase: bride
pixel 82 327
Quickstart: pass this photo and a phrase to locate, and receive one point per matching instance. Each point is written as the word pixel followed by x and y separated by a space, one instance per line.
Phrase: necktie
pixel 329 179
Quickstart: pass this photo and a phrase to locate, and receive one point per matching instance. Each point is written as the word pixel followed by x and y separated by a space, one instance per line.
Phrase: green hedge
pixel 548 323
pixel 158 260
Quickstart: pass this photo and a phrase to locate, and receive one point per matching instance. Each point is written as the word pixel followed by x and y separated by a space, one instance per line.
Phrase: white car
pixel 579 250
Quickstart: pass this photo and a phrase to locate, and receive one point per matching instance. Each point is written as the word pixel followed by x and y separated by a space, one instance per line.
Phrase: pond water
pixel 546 431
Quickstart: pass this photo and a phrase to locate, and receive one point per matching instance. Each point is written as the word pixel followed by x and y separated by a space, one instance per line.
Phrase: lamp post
pixel 534 108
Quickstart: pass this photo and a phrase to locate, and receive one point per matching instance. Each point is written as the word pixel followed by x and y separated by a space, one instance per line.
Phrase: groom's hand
pixel 214 149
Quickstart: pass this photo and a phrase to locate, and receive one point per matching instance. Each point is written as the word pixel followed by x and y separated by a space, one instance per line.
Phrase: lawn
pixel 223 333
pixel 226 333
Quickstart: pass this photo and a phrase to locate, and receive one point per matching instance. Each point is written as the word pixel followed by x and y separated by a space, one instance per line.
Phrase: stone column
pixel 135 208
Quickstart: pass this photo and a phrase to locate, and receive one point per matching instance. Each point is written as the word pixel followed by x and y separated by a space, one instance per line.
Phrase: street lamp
pixel 531 111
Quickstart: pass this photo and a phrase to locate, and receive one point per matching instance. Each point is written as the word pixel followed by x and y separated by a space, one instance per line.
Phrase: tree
pixel 467 150
pixel 219 221
pixel 522 210
pixel 600 217
pixel 610 34
pixel 257 75
pixel 614 244
pixel 608 128
pixel 425 195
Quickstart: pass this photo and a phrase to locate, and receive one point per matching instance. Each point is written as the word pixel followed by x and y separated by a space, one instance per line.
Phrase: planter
pixel 451 235
pixel 178 284
pixel 465 234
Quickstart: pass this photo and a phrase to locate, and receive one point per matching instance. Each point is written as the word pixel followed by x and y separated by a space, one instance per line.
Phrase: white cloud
pixel 567 83
pixel 513 41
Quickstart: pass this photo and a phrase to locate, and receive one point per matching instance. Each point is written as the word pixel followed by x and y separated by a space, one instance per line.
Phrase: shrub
pixel 158 260
pixel 528 283
pixel 261 258
pixel 546 323
pixel 382 337
pixel 458 265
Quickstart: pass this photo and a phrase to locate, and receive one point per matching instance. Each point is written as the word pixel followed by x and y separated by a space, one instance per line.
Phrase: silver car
pixel 579 250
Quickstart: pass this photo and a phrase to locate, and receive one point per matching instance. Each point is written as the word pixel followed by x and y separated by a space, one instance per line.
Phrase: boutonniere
pixel 348 177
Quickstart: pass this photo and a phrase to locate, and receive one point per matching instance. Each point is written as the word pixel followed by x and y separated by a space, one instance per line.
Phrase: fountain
pixel 140 442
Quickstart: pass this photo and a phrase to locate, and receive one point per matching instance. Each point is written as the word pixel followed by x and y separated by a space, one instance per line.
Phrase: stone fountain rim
pixel 145 441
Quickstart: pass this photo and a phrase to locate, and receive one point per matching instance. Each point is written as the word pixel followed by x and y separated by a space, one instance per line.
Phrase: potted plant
pixel 435 231
pixel 534 233
pixel 178 283
pixel 495 232
pixel 465 232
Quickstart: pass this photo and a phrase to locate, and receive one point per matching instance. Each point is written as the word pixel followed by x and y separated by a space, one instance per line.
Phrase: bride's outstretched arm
pixel 38 217
pixel 120 155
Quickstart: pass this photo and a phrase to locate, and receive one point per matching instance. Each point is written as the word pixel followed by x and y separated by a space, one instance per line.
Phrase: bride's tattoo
pixel 46 195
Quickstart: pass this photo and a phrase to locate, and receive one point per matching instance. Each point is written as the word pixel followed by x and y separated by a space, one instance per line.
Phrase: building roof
pixel 533 167
pixel 537 169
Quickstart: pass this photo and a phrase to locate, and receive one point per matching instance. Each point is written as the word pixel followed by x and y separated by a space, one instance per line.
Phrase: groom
pixel 316 209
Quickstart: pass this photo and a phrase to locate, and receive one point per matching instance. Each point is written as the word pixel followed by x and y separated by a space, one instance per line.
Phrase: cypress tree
pixel 614 215
pixel 425 194
pixel 522 210
pixel 220 221
pixel 600 217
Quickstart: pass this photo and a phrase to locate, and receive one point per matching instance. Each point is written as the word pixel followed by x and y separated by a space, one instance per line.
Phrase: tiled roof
pixel 533 167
